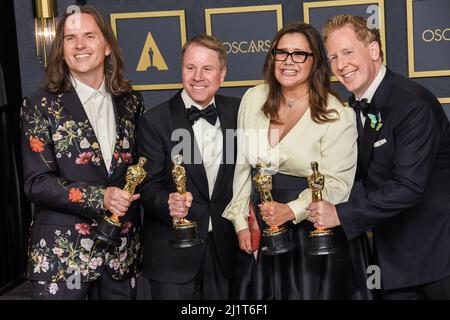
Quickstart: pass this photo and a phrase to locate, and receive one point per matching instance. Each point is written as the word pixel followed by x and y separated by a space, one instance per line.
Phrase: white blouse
pixel 332 145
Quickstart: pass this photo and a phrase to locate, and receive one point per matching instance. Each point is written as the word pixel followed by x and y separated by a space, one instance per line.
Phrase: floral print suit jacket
pixel 65 177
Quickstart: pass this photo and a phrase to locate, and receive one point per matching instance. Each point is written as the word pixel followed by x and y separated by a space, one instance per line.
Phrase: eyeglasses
pixel 296 56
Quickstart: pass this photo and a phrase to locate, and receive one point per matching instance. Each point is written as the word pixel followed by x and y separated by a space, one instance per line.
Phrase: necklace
pixel 290 103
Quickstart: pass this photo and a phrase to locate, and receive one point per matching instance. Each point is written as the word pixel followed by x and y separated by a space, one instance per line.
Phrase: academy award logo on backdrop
pixel 151 43
pixel 151 57
pixel 246 39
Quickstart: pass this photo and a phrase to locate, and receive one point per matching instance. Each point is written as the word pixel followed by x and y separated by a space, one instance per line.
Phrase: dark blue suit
pixel 403 191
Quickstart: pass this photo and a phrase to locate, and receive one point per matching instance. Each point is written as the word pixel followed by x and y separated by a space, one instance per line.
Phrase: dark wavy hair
pixel 57 77
pixel 319 79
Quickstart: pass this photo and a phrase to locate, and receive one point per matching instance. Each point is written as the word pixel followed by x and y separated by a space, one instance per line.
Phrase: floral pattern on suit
pixel 66 178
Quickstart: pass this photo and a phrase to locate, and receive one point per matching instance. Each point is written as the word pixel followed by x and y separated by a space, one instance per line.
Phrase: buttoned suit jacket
pixel 160 130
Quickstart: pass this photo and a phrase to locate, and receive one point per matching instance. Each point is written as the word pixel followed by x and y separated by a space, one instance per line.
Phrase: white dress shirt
pixel 209 140
pixel 99 109
pixel 370 92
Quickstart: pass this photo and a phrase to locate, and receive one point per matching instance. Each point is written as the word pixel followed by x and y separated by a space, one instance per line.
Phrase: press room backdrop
pixel 416 38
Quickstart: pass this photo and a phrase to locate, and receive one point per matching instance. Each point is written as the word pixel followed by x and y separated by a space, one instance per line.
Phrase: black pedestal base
pixel 277 242
pixel 321 243
pixel 108 231
pixel 185 236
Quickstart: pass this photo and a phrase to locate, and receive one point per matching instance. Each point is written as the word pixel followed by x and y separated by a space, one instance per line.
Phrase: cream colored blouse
pixel 332 145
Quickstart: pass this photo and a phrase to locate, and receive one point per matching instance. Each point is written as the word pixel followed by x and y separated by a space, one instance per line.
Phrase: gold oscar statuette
pixel 276 238
pixel 110 228
pixel 321 241
pixel 184 231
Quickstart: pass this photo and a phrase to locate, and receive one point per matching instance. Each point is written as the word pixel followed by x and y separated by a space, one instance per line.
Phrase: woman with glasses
pixel 291 120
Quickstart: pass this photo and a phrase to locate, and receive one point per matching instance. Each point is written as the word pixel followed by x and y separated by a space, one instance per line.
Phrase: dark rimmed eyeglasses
pixel 296 56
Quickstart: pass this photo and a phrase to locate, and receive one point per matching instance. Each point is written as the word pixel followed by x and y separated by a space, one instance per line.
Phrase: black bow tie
pixel 360 105
pixel 209 114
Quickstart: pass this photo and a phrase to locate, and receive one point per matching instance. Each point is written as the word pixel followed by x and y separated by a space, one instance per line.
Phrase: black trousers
pixel 208 284
pixel 437 290
pixel 103 288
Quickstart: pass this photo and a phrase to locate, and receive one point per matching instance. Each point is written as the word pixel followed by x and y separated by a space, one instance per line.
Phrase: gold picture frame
pixel 154 14
pixel 410 35
pixel 244 9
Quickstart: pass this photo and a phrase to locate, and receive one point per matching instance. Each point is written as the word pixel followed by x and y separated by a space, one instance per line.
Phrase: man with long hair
pixel 78 138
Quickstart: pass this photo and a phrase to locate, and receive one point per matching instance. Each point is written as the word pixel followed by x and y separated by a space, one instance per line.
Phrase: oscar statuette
pixel 110 228
pixel 320 240
pixel 276 238
pixel 184 231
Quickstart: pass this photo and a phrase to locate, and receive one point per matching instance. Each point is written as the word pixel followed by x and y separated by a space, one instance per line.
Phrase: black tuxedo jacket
pixel 157 137
pixel 65 177
pixel 404 190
